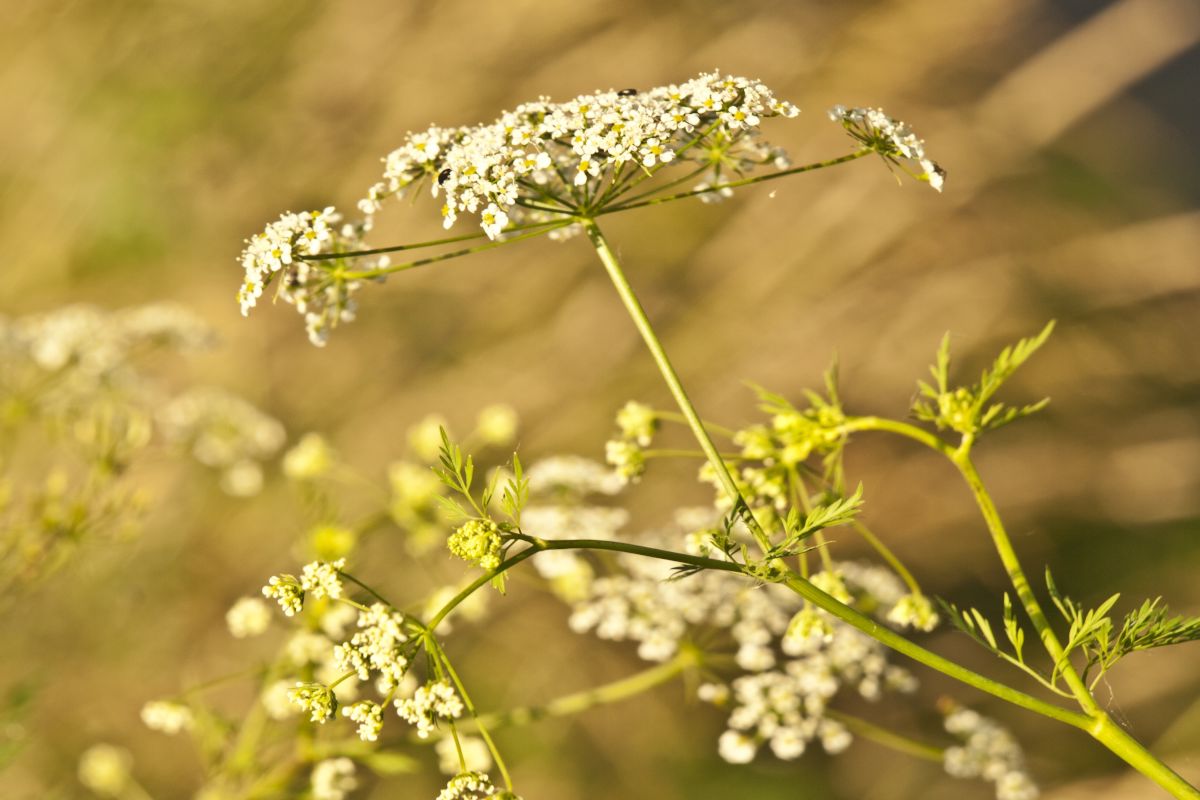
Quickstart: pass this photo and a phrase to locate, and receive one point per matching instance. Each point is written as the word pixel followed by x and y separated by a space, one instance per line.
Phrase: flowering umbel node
pixel 891 139
pixel 478 542
pixel 541 165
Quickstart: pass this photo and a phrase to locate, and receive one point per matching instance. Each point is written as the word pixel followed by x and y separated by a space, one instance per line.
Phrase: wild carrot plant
pixel 745 599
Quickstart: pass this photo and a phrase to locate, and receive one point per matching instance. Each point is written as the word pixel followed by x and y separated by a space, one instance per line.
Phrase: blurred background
pixel 146 139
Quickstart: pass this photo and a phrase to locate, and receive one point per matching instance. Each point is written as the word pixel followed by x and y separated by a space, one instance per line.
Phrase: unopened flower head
pixel 626 458
pixel 891 139
pixel 478 542
pixel 637 422
pixel 431 704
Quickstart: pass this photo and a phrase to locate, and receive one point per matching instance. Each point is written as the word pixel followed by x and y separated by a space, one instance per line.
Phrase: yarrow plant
pixel 745 597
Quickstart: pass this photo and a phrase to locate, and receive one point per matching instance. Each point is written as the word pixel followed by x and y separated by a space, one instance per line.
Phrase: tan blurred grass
pixel 148 138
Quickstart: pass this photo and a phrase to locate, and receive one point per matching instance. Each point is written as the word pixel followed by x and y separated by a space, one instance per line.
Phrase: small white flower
pixel 249 616
pixel 369 717
pixel 493 219
pixel 167 717
pixel 431 704
pixel 736 747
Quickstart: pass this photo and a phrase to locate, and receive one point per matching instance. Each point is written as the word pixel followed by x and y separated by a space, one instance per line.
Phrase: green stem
pixel 399 248
pixel 1020 584
pixel 1098 723
pixel 440 654
pixel 638 314
pixel 854 618
pixel 421 262
pixel 614 692
pixel 889 739
pixel 887 555
pixel 735 184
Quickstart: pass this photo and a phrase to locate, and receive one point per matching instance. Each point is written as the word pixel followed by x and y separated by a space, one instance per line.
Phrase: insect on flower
pixel 627 93
pixel 443 176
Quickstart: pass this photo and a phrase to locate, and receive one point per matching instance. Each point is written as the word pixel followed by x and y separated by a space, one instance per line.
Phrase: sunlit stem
pixel 642 322
pixel 605 694
pixel 803 588
pixel 421 262
pixel 440 655
pixel 886 738
pixel 399 248
pixel 735 184
pixel 1098 723
pixel 887 555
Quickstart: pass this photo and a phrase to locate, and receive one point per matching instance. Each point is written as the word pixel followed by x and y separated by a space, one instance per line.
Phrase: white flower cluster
pixel 333 779
pixel 369 717
pixel 469 786
pixel 572 476
pixel 93 344
pixel 224 432
pixel 324 297
pixel 249 616
pixel 319 578
pixel 167 717
pixel 377 646
pixel 560 156
pixel 431 704
pixel 796 658
pixel 890 138
pixel 989 752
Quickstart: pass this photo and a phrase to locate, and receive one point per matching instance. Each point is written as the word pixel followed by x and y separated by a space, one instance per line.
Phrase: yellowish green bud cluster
pixel 477 542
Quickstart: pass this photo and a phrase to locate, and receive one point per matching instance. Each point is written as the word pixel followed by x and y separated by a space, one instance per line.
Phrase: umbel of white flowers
pixel 546 164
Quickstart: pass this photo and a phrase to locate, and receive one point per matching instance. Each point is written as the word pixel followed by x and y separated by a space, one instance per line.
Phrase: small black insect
pixel 443 176
pixel 627 93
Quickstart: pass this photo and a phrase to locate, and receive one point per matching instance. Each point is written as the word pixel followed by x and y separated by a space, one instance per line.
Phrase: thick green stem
pixel 806 590
pixel 638 314
pixel 1020 584
pixel 1116 739
pixel 1098 723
